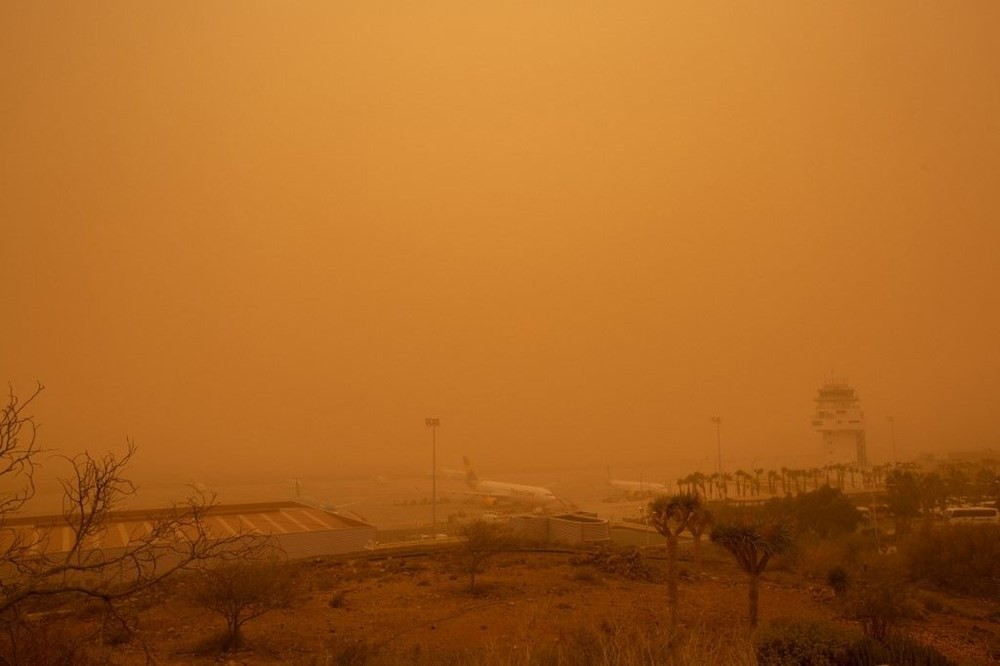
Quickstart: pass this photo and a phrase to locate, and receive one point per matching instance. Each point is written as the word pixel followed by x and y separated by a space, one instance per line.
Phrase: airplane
pixel 447 473
pixel 637 488
pixel 494 491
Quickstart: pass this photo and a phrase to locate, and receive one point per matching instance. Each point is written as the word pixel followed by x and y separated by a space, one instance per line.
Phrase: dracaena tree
pixel 699 522
pixel 753 546
pixel 670 515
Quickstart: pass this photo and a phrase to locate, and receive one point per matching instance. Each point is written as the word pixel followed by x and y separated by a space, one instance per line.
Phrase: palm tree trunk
pixel 754 594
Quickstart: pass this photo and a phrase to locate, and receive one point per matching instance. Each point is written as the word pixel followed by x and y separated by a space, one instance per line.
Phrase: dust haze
pixel 271 240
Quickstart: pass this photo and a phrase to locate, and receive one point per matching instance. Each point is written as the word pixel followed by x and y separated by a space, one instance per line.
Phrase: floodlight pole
pixel 717 420
pixel 433 424
pixel 892 426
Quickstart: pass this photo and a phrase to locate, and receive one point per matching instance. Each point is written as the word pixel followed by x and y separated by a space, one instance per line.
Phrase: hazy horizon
pixel 271 240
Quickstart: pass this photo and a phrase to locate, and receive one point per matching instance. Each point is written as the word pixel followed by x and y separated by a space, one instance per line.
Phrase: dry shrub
pixel 839 579
pixel 242 591
pixel 46 642
pixel 794 642
pixel 628 563
pixel 790 642
pixel 621 639
pixel 610 641
pixel 897 650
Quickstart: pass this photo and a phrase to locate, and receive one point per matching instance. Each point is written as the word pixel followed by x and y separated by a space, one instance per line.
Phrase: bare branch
pixel 18 451
pixel 32 566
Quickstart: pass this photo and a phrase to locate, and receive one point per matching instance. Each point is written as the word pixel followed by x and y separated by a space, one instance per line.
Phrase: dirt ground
pixel 416 608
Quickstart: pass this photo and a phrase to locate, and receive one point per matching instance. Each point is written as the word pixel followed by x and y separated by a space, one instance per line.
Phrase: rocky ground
pixel 416 608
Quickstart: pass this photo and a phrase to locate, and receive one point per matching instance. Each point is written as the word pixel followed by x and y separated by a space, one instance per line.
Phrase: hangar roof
pixel 271 518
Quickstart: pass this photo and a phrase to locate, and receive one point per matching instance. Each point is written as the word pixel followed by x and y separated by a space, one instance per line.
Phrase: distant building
pixel 840 421
pixel 569 528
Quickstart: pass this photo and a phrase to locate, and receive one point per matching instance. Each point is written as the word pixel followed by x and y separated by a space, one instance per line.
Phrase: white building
pixel 840 421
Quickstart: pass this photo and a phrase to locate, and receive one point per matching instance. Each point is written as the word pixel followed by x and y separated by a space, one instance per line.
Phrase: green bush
pixel 797 643
pixel 896 650
pixel 794 642
pixel 879 598
pixel 839 580
pixel 962 558
pixel 825 512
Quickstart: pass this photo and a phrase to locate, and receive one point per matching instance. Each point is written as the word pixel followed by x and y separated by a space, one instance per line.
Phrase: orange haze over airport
pixel 269 239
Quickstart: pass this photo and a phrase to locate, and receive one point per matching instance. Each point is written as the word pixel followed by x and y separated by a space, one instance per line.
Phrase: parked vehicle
pixel 971 515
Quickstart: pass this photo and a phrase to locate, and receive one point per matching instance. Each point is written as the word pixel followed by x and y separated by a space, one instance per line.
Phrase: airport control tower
pixel 840 420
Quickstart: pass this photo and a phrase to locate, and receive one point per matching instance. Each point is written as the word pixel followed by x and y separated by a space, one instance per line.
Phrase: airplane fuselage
pixel 639 487
pixel 516 492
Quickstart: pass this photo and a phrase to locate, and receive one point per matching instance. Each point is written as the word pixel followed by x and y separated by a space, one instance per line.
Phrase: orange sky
pixel 274 238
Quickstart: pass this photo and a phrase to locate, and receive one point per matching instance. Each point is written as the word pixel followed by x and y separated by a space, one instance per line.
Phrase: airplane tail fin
pixel 470 474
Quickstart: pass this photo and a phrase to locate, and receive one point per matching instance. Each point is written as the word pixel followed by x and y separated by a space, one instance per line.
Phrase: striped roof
pixel 122 528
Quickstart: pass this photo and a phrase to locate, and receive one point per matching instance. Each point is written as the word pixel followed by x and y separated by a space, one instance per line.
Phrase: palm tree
pixel 697 484
pixel 670 516
pixel 772 478
pixel 793 476
pixel 743 479
pixel 713 484
pixel 841 469
pixel 726 477
pixel 815 473
pixel 878 471
pixel 753 546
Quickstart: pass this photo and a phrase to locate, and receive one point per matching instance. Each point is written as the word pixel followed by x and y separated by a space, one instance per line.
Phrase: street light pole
pixel 892 426
pixel 717 420
pixel 433 424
